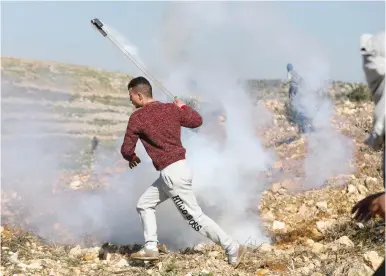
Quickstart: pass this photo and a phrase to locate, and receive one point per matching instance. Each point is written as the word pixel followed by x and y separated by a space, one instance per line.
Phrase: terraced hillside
pixel 64 99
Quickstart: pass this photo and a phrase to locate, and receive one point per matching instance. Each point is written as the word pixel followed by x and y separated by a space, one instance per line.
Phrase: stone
pixel 322 205
pixel 76 184
pixel 317 263
pixel 362 189
pixel 291 209
pixel 360 225
pixel 268 216
pixel 75 271
pixel 315 234
pixel 317 247
pixel 22 266
pixel 199 247
pixel 310 242
pixel 88 256
pixel 360 270
pixel 317 274
pixel 351 189
pixel 282 191
pixel 278 164
pixel 279 252
pixel 333 247
pixel 75 251
pixel 289 251
pixel 122 263
pixel 370 182
pixel 323 257
pixel 36 264
pixel 373 259
pixel 14 257
pixel 265 247
pixel 213 254
pixel 344 240
pixel 303 210
pixel 276 187
pixel 262 272
pixel 324 225
pixel 205 272
pixel 311 266
pixel 278 225
pixel 304 270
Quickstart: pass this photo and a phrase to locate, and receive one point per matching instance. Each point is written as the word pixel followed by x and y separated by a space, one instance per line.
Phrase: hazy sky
pixel 60 31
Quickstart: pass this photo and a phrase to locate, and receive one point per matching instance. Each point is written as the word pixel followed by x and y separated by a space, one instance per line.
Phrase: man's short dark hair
pixel 143 84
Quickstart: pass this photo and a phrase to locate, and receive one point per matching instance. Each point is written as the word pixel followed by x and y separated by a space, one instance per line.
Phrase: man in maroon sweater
pixel 158 126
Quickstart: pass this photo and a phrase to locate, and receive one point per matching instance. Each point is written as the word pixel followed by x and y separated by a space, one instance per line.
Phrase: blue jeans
pixel 292 92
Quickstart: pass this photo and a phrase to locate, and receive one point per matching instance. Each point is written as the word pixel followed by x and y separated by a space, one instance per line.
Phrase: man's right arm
pixel 130 140
pixel 189 117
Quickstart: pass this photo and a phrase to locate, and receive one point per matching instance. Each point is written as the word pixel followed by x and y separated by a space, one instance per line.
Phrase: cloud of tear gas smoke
pixel 329 152
pixel 39 156
pixel 213 45
pixel 127 45
pixel 216 44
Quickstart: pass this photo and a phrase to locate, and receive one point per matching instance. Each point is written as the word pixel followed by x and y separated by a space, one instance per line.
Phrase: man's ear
pixel 140 96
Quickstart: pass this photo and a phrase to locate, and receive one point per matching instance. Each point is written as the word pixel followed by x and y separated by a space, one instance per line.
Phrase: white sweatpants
pixel 175 182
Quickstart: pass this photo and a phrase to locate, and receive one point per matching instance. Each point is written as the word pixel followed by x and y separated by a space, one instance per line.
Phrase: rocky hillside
pixel 311 231
pixel 84 101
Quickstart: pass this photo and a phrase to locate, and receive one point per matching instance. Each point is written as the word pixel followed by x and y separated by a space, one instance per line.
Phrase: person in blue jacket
pixel 295 81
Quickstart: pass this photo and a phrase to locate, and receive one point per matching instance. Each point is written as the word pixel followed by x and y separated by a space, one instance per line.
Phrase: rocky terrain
pixel 311 231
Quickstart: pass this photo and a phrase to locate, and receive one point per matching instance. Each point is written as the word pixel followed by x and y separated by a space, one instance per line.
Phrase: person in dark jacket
pixel 295 83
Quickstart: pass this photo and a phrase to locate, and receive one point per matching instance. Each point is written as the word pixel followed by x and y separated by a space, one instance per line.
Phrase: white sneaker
pixel 235 258
pixel 146 254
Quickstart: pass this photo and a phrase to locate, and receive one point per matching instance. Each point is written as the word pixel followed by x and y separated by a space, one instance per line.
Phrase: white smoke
pixel 214 45
pixel 127 45
pixel 328 150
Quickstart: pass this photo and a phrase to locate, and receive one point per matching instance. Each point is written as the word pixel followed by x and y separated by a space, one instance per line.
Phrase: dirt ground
pixel 311 231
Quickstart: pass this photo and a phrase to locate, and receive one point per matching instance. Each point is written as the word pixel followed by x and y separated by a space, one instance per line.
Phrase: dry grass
pixel 293 250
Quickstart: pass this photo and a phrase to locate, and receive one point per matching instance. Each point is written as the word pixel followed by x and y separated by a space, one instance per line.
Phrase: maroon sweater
pixel 158 126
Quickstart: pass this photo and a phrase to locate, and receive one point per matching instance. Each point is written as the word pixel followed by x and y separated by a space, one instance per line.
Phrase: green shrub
pixel 361 93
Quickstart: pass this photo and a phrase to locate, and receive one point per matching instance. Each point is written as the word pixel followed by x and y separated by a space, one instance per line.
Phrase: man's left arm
pixel 130 140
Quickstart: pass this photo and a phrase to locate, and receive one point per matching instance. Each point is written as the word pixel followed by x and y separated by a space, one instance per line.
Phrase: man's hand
pixel 370 207
pixel 133 163
pixel 178 102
